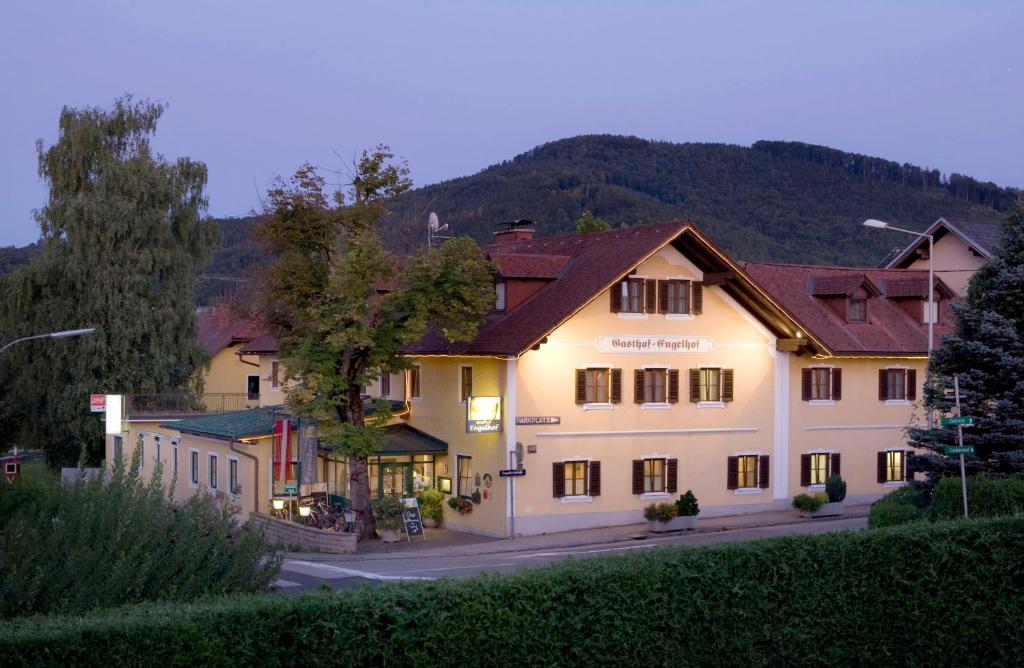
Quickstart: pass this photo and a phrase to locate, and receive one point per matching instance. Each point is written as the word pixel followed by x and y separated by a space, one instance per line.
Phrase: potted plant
pixel 661 517
pixel 461 505
pixel 687 509
pixel 835 489
pixel 430 507
pixel 808 504
pixel 388 512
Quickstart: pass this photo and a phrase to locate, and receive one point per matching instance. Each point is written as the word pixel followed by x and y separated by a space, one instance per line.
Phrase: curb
pixel 456 552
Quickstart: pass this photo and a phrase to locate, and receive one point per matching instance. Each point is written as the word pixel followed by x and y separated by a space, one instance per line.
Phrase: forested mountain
pixel 782 201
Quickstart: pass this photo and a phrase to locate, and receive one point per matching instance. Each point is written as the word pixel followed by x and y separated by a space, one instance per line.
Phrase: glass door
pixel 394 478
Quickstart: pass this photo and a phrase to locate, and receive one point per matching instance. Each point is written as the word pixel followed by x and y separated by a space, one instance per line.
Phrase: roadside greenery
pixel 987 497
pixel 430 501
pixel 78 547
pixel 797 601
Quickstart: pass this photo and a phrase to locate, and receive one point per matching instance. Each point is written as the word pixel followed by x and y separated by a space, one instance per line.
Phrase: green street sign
pixel 959 450
pixel 963 420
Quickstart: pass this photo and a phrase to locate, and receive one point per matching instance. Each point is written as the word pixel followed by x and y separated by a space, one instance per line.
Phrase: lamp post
pixel 933 310
pixel 51 335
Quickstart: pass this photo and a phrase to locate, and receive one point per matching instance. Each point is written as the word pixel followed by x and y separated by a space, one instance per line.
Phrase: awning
pixel 401 439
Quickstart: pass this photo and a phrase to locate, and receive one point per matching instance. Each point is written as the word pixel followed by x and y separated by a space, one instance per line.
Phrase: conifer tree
pixel 122 238
pixel 986 351
pixel 343 308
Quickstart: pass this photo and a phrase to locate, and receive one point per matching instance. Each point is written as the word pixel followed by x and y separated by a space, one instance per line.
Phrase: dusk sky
pixel 256 88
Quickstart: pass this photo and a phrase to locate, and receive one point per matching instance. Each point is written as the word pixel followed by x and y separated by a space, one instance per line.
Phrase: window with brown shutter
pixel 673 386
pixel 575 478
pixel 882 466
pixel 764 474
pixel 837 384
pixel 558 480
pixel 694 386
pixel 805 470
pixel 673 296
pixel 628 296
pixel 596 386
pixel 819 469
pixel 836 468
pixel 912 384
pixel 727 384
pixel 616 391
pixel 709 384
pixel 663 296
pixel 732 473
pixel 581 386
pixel 652 386
pixel 638 476
pixel 615 292
pixel 595 478
pixel 673 476
pixel 892 466
pixel 817 384
pixel 698 298
pixel 893 384
pixel 638 386
pixel 806 382
pixel 650 296
pixel 654 475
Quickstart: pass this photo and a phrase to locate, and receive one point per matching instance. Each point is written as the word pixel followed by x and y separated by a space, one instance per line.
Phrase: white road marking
pixel 322 570
pixel 287 583
pixel 570 552
pixel 456 568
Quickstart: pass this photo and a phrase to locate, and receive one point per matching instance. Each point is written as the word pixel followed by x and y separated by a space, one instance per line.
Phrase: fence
pixel 183 403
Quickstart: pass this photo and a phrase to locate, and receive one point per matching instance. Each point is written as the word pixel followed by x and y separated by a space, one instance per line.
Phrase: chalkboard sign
pixel 413 520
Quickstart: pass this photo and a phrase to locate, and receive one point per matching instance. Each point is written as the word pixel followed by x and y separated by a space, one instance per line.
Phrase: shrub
pixel 659 512
pixel 758 603
pixel 835 488
pixel 686 505
pixel 388 511
pixel 808 503
pixel 902 505
pixel 91 544
pixel 986 497
pixel 430 504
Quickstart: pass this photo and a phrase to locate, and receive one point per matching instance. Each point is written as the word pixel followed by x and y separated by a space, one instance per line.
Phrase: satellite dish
pixel 434 226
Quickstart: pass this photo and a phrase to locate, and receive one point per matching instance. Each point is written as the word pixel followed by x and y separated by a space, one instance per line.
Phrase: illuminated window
pixel 819 468
pixel 895 466
pixel 746 471
pixel 710 384
pixel 597 386
pixel 464 466
pixel 654 475
pixel 654 386
pixel 575 478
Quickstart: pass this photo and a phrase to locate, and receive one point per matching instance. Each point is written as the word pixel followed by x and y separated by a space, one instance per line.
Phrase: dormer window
pixel 929 314
pixel 499 294
pixel 857 310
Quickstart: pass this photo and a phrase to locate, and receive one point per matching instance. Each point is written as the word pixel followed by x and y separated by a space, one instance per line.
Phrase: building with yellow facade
pixel 617 369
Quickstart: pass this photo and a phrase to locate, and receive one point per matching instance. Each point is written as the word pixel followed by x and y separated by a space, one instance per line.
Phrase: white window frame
pixel 193 482
pixel 212 471
pixel 624 299
pixel 906 385
pixel 712 404
pixel 756 489
pixel 818 487
pixel 586 498
pixel 929 314
pixel 654 405
pixel 174 453
pixel 831 386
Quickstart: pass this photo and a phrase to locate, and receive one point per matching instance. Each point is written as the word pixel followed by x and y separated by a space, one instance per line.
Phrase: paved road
pixel 300 575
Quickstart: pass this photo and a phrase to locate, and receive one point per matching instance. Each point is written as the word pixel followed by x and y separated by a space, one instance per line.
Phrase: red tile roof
pixel 890 329
pixel 525 265
pixel 840 285
pixel 218 328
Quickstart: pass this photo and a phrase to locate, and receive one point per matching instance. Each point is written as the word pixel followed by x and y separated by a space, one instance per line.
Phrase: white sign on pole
pixel 647 343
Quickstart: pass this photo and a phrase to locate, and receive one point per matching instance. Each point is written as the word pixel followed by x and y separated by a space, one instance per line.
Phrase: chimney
pixel 516 230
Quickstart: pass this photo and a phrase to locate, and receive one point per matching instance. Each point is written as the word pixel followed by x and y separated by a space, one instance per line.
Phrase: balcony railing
pixel 183 403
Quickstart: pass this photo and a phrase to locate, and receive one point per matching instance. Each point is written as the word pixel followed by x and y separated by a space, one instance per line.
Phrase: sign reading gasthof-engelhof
pixel 647 343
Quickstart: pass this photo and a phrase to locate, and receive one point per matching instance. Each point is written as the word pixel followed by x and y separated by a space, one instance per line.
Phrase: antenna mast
pixel 434 228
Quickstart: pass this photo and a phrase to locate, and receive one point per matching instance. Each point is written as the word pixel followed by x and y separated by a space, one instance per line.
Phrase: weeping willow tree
pixel 122 236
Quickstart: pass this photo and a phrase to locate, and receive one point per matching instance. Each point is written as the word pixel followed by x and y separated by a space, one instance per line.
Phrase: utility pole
pixel 960 441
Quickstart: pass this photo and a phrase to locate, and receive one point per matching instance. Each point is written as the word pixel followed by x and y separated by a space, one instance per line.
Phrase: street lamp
pixel 52 335
pixel 933 310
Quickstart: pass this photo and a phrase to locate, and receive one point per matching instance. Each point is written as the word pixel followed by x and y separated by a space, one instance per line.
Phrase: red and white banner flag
pixel 282 448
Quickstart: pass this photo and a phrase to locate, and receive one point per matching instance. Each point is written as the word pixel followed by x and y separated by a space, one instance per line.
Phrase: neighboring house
pixel 961 248
pixel 629 366
pixel 232 371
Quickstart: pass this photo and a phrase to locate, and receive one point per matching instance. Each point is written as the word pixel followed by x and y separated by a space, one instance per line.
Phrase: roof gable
pixel 983 237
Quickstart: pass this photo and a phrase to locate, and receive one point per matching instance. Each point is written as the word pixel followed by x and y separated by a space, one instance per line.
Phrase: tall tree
pixel 343 308
pixel 121 240
pixel 588 223
pixel 986 351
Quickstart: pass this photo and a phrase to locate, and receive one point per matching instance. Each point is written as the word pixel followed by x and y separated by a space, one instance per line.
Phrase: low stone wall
pixel 292 535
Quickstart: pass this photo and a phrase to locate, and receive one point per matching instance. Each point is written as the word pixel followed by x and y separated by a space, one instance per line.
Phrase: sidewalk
pixel 445 543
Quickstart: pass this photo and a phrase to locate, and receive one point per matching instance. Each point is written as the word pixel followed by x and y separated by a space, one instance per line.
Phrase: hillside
pixel 781 201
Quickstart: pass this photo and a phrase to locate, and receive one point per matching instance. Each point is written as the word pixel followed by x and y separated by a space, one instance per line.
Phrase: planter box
pixel 390 535
pixel 675 524
pixel 431 523
pixel 829 510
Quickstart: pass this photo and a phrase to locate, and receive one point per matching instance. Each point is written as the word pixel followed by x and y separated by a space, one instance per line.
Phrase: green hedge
pixel 900 506
pixel 986 497
pixel 923 594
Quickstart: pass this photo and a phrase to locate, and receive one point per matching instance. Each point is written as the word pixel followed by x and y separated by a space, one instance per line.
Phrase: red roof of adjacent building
pixel 525 265
pixel 219 327
pixel 889 330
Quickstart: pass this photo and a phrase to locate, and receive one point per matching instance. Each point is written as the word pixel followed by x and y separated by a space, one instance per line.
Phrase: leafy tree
pixel 588 223
pixel 986 351
pixel 121 240
pixel 343 308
